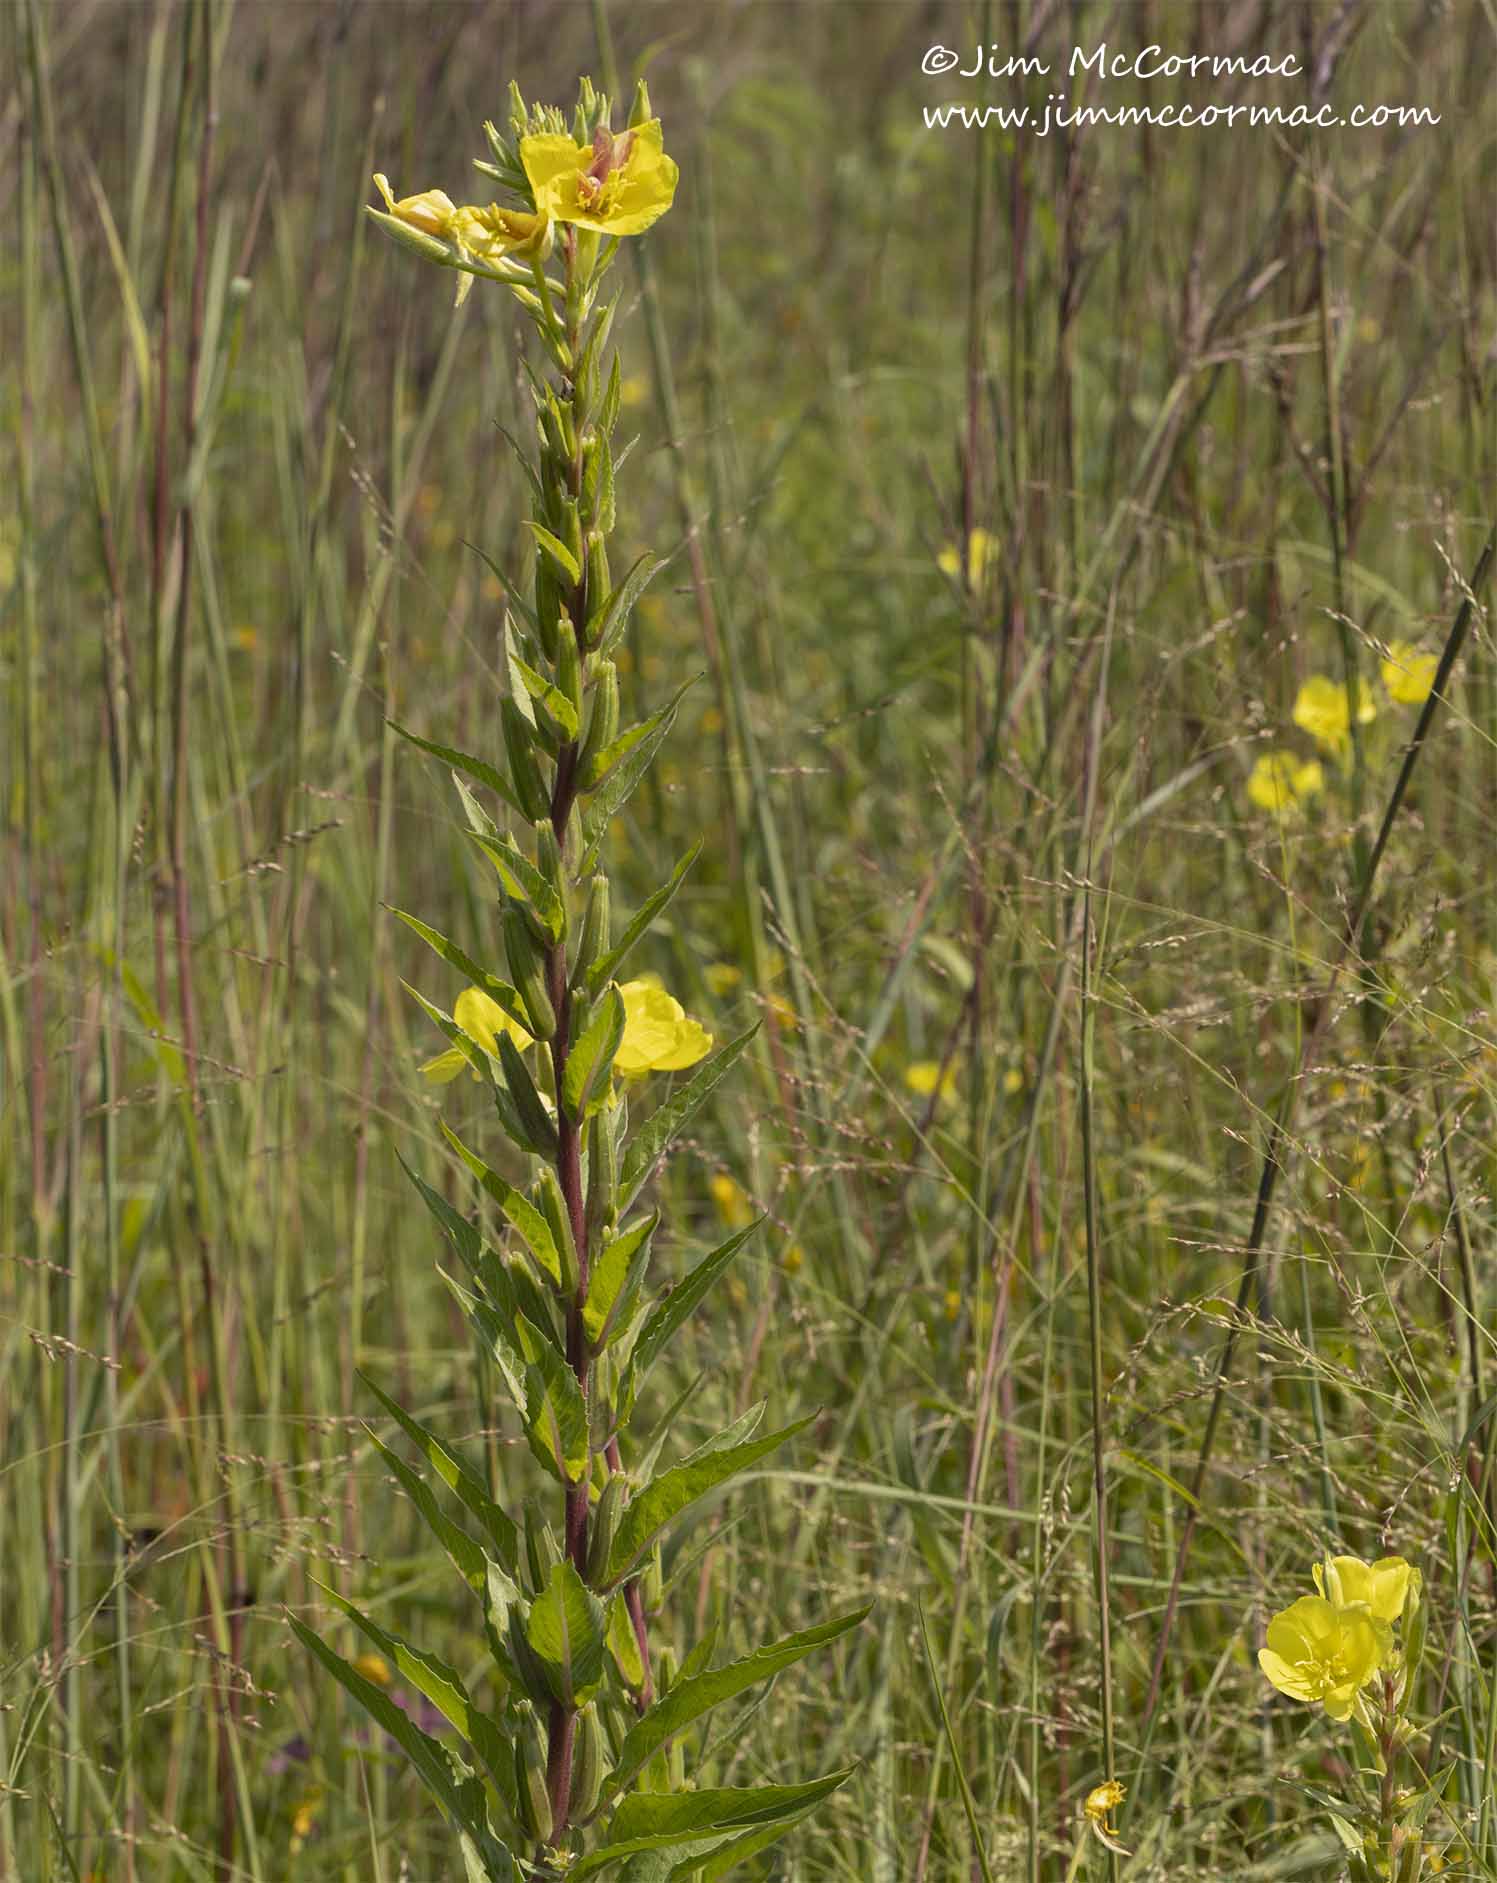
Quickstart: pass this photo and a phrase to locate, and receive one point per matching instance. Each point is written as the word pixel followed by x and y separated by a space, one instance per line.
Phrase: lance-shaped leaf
pixel 548 695
pixel 604 968
pixel 590 1060
pixel 523 881
pixel 557 551
pixel 672 1310
pixel 518 1210
pixel 430 1675
pixel 616 1279
pixel 623 1645
pixel 726 1858
pixel 625 762
pixel 476 768
pixel 556 1417
pixel 458 1230
pixel 665 1497
pixel 505 997
pixel 689 1699
pixel 656 1134
pixel 453 1783
pixel 497 1524
pixel 525 1100
pixel 566 1629
pixel 496 1333
pixel 467 1556
pixel 475 1055
pixel 652 1813
pixel 649 1859
pixel 611 616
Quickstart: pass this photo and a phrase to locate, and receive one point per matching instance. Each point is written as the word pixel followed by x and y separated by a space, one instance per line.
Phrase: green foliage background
pixel 1113 351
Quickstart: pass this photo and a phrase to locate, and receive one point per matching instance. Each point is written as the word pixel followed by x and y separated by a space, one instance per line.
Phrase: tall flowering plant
pixel 574 1759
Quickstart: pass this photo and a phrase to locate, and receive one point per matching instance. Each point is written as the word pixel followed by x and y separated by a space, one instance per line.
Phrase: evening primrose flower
pixel 923 1076
pixel 1407 674
pixel 430 212
pixel 732 1200
pixel 659 1034
pixel 1322 708
pixel 1318 1652
pixel 617 185
pixel 980 546
pixel 483 1020
pixel 1280 781
pixel 1101 1801
pixel 1382 1588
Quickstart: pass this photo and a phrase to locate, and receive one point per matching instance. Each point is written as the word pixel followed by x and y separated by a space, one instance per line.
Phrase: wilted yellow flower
pixel 483 1020
pixel 617 185
pixel 1407 674
pixel 980 546
pixel 921 1077
pixel 1382 1588
pixel 1280 780
pixel 1319 1652
pixel 1322 708
pixel 374 1667
pixel 659 1034
pixel 431 212
pixel 732 1200
pixel 1102 1801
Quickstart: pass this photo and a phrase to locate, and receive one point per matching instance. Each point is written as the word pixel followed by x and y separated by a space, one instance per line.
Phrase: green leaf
pixel 551 697
pixel 467 1557
pixel 519 1210
pixel 616 1279
pixel 655 1136
pixel 590 1059
pixel 443 1686
pixel 611 616
pixel 498 1526
pixel 476 768
pixel 525 1100
pixel 500 992
pixel 523 881
pixel 623 1645
pixel 603 968
pixel 729 1856
pixel 557 550
pixel 688 1700
pixel 556 1417
pixel 566 1629
pixel 671 1310
pixel 454 1784
pixel 665 1497
pixel 458 1230
pixel 475 1055
pixel 650 1813
pixel 492 1329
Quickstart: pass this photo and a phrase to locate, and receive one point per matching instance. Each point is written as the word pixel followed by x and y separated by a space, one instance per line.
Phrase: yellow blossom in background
pixel 1101 1802
pixel 953 1303
pixel 1322 708
pixel 659 1034
pixel 1318 1652
pixel 1407 674
pixel 483 1020
pixel 1013 1081
pixel 617 185
pixel 732 1200
pixel 980 546
pixel 782 1012
pixel 634 389
pixel 1279 781
pixel 374 1667
pixel 795 1257
pixel 1382 1588
pixel 921 1078
pixel 722 977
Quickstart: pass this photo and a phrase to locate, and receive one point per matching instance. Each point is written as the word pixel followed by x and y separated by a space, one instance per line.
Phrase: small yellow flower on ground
pixel 1320 1653
pixel 1382 1588
pixel 980 546
pixel 617 185
pixel 1407 674
pixel 1322 708
pixel 483 1020
pixel 924 1074
pixel 1280 781
pixel 1102 1801
pixel 659 1034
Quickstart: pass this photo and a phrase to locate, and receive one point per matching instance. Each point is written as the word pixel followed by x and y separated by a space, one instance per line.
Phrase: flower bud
pixel 639 111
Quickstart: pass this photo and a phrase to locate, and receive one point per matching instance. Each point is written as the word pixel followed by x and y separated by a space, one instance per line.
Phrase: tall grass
pixel 1168 1267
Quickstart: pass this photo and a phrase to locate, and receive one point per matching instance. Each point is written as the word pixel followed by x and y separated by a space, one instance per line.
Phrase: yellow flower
pixel 722 977
pixel 980 546
pixel 732 1200
pixel 1279 781
pixel 922 1076
pixel 1318 1652
pixel 1407 674
pixel 374 1667
pixel 617 185
pixel 953 1303
pixel 483 1020
pixel 1101 1802
pixel 1382 1588
pixel 431 212
pixel 795 1258
pixel 659 1034
pixel 1322 708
